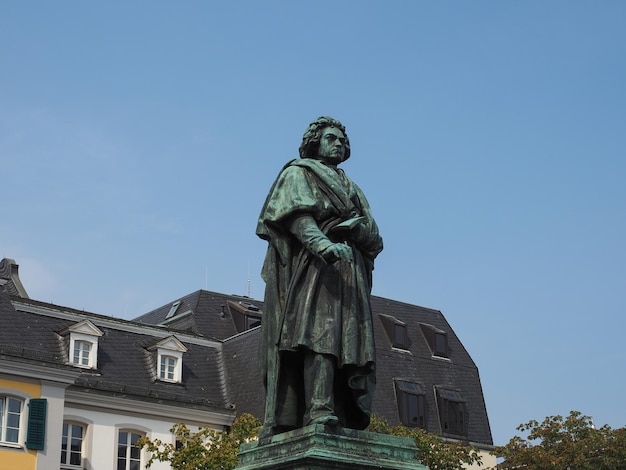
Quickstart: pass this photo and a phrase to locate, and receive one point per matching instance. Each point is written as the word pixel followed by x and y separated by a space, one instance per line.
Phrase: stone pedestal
pixel 319 447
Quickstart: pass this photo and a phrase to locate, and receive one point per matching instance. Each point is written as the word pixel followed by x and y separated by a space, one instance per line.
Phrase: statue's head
pixel 311 139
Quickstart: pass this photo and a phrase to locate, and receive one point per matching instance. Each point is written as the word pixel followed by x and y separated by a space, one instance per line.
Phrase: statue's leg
pixel 288 414
pixel 271 391
pixel 319 378
pixel 284 402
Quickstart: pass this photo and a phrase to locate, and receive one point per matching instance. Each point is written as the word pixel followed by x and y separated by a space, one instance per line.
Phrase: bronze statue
pixel 317 347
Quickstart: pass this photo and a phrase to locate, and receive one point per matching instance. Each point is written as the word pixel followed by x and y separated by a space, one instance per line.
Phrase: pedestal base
pixel 319 447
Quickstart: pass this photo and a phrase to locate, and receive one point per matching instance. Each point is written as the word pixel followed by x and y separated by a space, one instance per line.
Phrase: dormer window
pixel 169 359
pixel 82 353
pixel 452 411
pixel 411 400
pixel 83 344
pixel 400 336
pixel 396 331
pixel 245 315
pixel 167 369
pixel 440 345
pixel 437 340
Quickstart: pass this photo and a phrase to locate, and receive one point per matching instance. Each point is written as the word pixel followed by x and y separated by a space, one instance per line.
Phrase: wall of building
pixel 49 457
pixel 100 447
pixel 12 458
pixel 489 461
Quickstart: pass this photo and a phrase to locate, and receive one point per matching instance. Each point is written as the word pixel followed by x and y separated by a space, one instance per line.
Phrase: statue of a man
pixel 317 347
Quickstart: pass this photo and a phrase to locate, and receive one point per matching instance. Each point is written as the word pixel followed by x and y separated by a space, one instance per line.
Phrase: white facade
pixel 103 417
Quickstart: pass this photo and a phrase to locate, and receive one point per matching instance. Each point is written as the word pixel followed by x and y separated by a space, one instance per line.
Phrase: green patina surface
pixel 317 335
pixel 317 447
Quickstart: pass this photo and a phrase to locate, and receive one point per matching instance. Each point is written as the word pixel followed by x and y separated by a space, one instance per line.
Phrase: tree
pixel 432 450
pixel 206 449
pixel 572 443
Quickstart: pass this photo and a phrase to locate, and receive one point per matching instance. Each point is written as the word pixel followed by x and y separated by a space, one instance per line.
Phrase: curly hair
pixel 312 136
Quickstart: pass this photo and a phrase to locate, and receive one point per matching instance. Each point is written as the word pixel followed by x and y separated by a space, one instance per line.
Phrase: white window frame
pixel 81 350
pixel 81 333
pixel 76 339
pixel 169 348
pixel 168 367
pixel 68 450
pixel 127 456
pixel 4 419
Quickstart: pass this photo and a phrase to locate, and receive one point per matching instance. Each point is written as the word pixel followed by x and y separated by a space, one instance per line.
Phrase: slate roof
pixel 202 312
pixel 126 368
pixel 28 337
pixel 241 356
pixel 457 372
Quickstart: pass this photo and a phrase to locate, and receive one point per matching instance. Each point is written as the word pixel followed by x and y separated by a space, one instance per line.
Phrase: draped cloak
pixel 311 303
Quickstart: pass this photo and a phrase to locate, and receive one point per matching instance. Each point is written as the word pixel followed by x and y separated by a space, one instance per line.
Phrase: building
pixel 104 381
pixel 78 389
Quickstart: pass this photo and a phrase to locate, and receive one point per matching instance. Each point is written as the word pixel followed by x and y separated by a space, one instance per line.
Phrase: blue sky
pixel 138 141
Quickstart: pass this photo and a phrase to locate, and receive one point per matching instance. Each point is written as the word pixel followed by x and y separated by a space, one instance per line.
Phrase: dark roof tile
pixel 124 364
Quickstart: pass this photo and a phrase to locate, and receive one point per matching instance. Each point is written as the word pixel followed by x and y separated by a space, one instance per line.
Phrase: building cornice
pixel 199 416
pixel 32 370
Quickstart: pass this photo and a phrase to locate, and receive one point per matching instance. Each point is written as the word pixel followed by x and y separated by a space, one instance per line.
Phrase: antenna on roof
pixel 206 277
pixel 248 278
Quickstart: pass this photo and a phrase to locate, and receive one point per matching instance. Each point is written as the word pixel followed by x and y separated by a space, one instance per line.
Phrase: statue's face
pixel 332 146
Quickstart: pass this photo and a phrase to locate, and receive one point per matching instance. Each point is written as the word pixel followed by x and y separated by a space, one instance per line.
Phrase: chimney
pixel 10 279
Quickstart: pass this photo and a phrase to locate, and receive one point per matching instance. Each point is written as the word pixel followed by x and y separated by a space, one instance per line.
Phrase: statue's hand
pixel 360 233
pixel 336 252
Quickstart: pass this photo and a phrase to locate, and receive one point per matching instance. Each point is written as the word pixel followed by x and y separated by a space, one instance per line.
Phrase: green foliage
pixel 432 451
pixel 572 443
pixel 206 449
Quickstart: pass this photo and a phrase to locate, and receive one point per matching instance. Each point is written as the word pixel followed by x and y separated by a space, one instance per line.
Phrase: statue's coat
pixel 311 303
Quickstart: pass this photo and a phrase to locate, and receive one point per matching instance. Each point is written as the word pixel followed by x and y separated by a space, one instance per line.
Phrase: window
pixel 436 339
pixel 82 350
pixel 83 341
pixel 400 337
pixel 252 322
pixel 168 357
pixel 72 439
pixel 440 345
pixel 167 371
pixel 396 331
pixel 10 419
pixel 128 452
pixel 245 315
pixel 173 309
pixel 452 412
pixel 411 399
pixel 175 314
